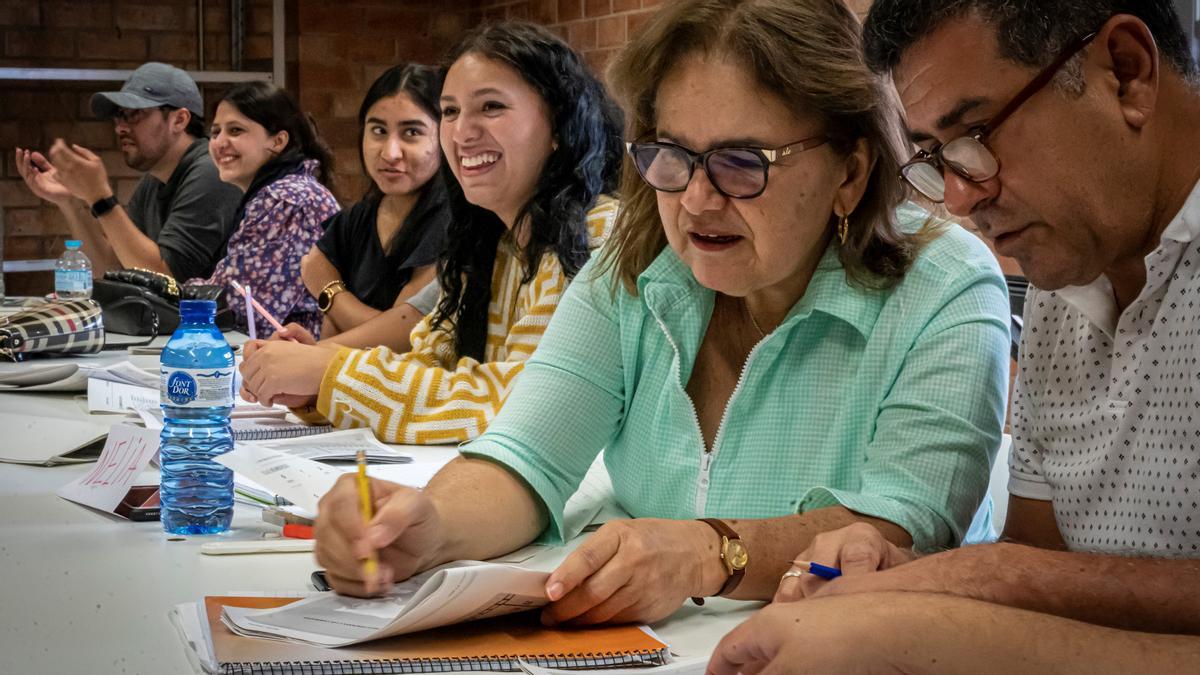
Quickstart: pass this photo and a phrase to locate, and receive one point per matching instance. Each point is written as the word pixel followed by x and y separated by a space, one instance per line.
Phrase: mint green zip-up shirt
pixel 887 402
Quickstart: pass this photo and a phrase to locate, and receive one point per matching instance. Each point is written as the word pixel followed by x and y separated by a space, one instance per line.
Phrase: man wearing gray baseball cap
pixel 180 215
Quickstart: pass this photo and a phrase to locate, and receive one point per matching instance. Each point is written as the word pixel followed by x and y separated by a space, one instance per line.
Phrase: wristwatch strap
pixel 735 575
pixel 102 206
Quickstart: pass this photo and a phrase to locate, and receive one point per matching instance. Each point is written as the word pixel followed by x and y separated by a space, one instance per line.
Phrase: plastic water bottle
pixel 73 273
pixel 197 392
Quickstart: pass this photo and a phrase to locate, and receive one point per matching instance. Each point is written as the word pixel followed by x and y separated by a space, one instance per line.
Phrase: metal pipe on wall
pixel 278 34
pixel 237 33
pixel 199 34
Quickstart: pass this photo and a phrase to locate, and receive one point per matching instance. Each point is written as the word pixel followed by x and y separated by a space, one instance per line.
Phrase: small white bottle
pixel 73 273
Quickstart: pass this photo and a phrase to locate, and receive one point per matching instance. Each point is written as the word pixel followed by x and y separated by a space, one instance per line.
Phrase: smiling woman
pixel 265 146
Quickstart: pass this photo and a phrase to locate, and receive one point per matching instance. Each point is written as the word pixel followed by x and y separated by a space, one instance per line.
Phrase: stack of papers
pixel 450 594
pixel 120 388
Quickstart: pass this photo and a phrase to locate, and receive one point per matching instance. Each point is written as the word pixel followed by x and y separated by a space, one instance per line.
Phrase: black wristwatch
pixel 103 206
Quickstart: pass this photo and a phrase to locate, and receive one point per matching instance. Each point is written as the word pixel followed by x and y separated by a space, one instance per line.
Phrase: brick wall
pixel 94 34
pixel 344 46
pixel 595 28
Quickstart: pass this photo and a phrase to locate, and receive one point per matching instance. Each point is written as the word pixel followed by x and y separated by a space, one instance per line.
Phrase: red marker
pixel 295 531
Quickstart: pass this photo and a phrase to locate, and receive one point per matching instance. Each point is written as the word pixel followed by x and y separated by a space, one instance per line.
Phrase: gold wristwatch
pixel 328 293
pixel 734 554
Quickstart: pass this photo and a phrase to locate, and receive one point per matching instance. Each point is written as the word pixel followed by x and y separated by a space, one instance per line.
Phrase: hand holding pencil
pixel 371 564
pixel 403 535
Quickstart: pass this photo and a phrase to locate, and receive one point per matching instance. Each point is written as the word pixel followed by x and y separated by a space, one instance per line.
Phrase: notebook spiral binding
pixel 447 665
pixel 282 432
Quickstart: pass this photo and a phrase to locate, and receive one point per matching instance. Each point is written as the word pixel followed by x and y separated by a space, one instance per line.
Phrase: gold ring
pixel 793 574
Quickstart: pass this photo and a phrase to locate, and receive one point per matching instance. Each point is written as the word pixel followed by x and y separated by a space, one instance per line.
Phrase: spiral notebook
pixel 269 428
pixel 488 645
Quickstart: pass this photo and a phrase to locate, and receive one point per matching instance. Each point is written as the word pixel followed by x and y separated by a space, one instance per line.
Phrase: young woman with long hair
pixel 262 143
pixel 377 254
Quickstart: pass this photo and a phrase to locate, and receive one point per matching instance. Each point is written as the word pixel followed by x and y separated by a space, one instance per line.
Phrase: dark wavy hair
pixel 422 83
pixel 1030 32
pixel 276 111
pixel 587 128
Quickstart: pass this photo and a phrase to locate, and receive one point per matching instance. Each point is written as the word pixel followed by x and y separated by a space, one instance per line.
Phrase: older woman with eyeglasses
pixel 771 346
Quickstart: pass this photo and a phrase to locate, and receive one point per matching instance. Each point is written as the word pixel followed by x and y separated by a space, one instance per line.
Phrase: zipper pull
pixel 706 461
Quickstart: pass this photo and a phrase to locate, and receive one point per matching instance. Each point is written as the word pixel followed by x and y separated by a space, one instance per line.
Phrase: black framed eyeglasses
pixel 969 156
pixel 131 116
pixel 739 173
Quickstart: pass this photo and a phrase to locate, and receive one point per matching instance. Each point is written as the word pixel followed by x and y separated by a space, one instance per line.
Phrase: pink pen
pixel 261 310
pixel 250 328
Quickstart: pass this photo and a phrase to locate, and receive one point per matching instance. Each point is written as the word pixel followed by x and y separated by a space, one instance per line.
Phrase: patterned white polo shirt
pixel 1106 414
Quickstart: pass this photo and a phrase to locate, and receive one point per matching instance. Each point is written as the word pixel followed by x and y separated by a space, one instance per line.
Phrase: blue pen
pixel 823 571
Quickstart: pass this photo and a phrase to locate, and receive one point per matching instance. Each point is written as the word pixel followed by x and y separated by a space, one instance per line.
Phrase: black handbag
pixel 140 302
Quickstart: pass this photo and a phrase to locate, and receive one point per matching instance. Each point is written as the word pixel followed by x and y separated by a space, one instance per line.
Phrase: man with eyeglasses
pixel 1068 132
pixel 180 215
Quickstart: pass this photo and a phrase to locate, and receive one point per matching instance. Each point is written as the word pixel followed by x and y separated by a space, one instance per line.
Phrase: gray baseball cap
pixel 151 85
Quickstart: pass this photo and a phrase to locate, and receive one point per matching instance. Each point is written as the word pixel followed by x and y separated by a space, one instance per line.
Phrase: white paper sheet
pixel 340 446
pixel 302 481
pixel 107 396
pixel 453 593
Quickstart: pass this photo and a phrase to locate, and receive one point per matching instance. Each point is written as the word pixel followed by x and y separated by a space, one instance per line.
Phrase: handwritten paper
pixel 126 453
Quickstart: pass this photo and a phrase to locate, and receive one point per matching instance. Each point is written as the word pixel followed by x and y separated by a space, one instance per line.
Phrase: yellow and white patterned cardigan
pixel 425 396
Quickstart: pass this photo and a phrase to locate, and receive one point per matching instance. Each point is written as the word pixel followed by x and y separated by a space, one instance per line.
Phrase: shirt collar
pixel 1186 225
pixel 668 279
pixel 1096 301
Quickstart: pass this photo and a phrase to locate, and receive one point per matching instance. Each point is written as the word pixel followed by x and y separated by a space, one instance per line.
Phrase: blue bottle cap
pixel 73 244
pixel 198 310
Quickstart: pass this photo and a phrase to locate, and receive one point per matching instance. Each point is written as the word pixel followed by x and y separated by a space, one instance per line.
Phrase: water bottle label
pixel 196 387
pixel 72 281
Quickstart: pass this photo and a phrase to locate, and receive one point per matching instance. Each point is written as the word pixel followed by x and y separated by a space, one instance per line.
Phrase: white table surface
pixel 85 592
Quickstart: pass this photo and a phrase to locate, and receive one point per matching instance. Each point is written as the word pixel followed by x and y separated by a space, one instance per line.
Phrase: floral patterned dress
pixel 282 222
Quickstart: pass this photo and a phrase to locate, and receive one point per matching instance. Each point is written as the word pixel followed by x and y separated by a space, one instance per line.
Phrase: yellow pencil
pixel 371 564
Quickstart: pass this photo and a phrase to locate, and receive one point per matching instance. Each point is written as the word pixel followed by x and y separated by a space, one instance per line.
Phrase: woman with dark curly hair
pixel 532 141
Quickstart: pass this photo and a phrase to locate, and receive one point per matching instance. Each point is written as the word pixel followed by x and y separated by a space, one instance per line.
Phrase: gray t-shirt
pixel 190 216
pixel 425 300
